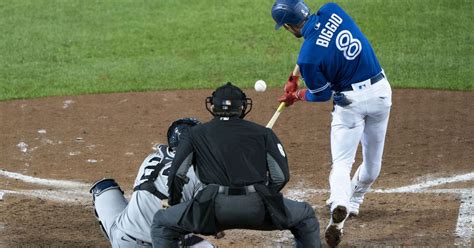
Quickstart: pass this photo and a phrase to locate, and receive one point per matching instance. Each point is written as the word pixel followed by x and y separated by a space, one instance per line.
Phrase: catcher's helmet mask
pixel 228 101
pixel 177 128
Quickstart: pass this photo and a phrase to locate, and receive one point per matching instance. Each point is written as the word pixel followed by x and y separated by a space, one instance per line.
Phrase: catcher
pixel 243 167
pixel 128 224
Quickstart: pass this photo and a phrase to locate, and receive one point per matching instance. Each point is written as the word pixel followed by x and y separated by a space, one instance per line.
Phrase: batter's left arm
pixel 319 89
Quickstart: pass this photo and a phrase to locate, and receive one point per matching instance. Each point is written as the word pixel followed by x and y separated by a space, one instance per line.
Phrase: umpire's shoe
pixel 334 230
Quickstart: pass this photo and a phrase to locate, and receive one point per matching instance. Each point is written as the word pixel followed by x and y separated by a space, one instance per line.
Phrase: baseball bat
pixel 296 72
pixel 276 115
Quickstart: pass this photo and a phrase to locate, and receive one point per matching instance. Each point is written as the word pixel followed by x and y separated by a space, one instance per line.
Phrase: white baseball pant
pixel 364 121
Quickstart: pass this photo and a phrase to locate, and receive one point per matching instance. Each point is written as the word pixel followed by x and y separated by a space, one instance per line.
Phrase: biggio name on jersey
pixel 347 44
pixel 329 29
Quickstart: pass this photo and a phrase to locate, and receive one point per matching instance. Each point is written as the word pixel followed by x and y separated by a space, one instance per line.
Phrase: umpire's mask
pixel 228 101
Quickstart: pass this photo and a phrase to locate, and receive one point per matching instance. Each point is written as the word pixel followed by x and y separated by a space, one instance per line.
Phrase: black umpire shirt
pixel 230 152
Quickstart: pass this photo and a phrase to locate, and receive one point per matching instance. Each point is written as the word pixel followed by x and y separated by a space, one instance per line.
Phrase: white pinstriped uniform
pixel 123 220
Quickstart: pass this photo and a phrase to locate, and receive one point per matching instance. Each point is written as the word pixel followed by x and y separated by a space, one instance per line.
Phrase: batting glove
pixel 292 84
pixel 291 97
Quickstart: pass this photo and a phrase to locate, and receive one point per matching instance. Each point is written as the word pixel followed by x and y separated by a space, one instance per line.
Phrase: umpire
pixel 243 166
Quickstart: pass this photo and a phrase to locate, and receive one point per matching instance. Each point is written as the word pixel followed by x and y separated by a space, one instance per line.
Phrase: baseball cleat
pixel 334 230
pixel 333 235
pixel 353 209
pixel 354 213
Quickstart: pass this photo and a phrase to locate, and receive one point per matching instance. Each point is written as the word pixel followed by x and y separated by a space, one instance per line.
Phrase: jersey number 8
pixel 348 45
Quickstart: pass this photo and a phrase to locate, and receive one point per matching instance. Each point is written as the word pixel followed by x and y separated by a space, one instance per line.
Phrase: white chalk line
pixel 45 182
pixel 428 184
pixel 67 191
pixel 75 192
pixel 58 196
pixel 465 224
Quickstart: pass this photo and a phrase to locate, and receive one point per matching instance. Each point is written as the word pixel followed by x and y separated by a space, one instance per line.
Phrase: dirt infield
pixel 423 197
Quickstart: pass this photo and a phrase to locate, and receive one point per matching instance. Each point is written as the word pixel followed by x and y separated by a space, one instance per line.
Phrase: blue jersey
pixel 335 53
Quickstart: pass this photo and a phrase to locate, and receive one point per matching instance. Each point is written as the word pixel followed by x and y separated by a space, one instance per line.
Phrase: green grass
pixel 421 43
pixel 68 47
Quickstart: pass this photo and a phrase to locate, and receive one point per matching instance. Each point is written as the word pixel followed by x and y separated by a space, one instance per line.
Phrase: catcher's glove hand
pixel 165 204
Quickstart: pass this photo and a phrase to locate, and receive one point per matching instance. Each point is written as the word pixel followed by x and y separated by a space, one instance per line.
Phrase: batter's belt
pixel 372 80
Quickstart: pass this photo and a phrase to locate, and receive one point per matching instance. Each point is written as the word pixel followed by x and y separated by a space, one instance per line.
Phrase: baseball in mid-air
pixel 260 86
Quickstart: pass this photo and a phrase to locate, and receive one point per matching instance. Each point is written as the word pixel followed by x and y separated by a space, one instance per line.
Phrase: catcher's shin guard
pixel 112 193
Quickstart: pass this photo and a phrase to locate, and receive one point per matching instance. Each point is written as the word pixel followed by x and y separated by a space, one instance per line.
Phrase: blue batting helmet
pixel 289 12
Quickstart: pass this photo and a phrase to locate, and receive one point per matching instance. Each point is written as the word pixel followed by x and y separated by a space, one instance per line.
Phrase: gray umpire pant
pixel 239 212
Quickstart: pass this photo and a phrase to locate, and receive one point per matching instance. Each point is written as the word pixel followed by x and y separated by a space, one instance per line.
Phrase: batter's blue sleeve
pixel 319 89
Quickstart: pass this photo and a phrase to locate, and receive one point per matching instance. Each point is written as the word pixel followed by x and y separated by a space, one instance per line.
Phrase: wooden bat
pixel 276 115
pixel 296 72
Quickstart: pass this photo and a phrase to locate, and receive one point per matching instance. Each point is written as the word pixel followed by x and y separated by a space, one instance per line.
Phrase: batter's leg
pixel 347 127
pixel 373 141
pixel 346 132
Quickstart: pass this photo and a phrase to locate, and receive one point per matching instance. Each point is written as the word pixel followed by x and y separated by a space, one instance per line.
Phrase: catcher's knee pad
pixel 103 185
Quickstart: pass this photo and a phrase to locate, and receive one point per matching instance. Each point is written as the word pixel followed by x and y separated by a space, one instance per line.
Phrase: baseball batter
pixel 128 224
pixel 336 60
